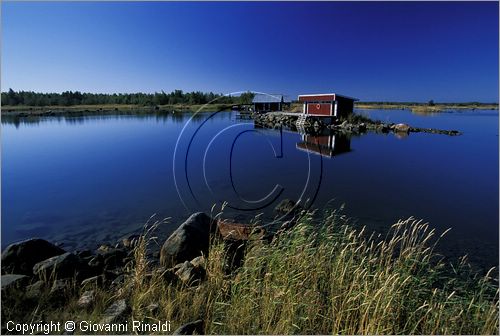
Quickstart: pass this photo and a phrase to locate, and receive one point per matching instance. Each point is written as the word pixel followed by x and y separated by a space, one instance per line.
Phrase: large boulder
pixel 66 265
pixel 190 240
pixel 21 257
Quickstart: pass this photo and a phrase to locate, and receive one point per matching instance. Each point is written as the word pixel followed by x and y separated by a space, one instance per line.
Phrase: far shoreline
pixel 86 110
pixel 105 109
pixel 426 108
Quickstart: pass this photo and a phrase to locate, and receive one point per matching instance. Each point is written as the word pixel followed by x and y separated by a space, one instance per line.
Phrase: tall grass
pixel 323 276
pixel 331 278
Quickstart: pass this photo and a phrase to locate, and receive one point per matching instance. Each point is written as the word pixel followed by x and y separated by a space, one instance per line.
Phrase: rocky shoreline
pixel 35 267
pixel 216 276
pixel 355 124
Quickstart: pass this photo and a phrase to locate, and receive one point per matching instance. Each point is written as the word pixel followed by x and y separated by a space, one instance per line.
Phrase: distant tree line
pixel 430 103
pixel 68 98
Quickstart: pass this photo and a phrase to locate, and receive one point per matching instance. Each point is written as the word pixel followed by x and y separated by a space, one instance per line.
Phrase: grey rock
pixel 190 328
pixel 66 265
pixel 35 290
pixel 10 281
pixel 87 299
pixel 189 274
pixel 21 257
pixel 60 289
pixel 115 313
pixel 190 240
pixel 184 271
pixel 199 262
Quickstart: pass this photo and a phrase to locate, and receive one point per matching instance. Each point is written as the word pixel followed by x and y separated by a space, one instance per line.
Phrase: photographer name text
pixel 87 326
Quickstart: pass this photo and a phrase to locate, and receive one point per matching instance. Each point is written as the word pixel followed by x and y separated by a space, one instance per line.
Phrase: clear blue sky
pixel 446 51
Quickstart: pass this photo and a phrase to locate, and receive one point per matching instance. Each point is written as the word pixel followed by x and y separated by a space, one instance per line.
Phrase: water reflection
pixel 326 145
pixel 75 119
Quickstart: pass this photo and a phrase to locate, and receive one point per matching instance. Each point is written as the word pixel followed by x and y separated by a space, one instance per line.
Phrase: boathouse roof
pixel 324 96
pixel 270 98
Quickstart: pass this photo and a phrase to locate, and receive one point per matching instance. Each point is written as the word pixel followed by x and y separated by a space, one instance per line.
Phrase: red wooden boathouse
pixel 327 104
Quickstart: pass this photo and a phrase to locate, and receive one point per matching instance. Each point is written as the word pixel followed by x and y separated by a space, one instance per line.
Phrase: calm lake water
pixel 87 180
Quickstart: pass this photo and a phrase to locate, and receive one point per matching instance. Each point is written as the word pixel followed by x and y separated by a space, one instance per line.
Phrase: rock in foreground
pixel 13 281
pixel 189 241
pixel 87 299
pixel 66 265
pixel 115 313
pixel 190 273
pixel 21 257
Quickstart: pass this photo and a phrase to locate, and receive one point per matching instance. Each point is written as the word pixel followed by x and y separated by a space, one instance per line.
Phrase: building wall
pixel 321 105
pixel 319 108
pixel 266 107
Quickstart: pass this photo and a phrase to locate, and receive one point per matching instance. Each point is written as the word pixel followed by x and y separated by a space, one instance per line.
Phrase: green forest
pixel 71 98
